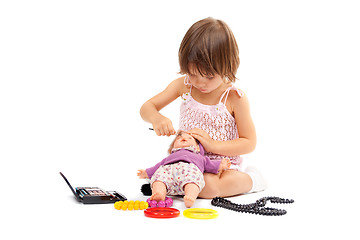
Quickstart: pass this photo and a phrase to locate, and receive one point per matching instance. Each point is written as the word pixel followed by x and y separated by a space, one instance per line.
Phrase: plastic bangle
pixel 160 212
pixel 200 213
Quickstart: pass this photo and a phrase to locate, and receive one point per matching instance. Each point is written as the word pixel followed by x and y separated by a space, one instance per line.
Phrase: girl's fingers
pixel 162 131
pixel 167 131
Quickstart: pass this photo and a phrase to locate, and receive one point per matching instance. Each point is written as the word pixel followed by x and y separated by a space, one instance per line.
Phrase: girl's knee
pixel 209 192
pixel 212 186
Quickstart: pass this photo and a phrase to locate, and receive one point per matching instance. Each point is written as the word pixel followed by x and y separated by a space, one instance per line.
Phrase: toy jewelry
pixel 254 208
pixel 167 203
pixel 200 213
pixel 161 212
pixel 131 205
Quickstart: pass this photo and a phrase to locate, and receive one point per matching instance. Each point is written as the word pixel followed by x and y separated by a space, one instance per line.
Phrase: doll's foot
pixel 189 201
pixel 157 196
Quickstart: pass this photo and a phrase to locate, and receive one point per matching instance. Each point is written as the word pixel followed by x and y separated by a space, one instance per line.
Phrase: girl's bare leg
pixel 191 193
pixel 158 191
pixel 211 188
pixel 226 184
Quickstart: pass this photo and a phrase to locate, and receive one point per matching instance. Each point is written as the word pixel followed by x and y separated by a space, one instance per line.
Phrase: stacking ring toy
pixel 162 212
pixel 167 203
pixel 200 213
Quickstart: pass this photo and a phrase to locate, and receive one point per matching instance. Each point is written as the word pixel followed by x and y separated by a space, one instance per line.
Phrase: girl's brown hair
pixel 210 46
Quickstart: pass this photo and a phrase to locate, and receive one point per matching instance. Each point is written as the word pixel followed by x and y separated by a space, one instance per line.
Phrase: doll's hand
pixel 225 164
pixel 163 126
pixel 142 174
pixel 203 138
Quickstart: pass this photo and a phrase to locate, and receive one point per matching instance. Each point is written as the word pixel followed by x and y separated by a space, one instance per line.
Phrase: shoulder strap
pixel 227 91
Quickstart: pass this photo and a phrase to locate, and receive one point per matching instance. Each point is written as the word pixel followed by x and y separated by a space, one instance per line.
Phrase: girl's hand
pixel 203 138
pixel 142 174
pixel 163 126
pixel 225 164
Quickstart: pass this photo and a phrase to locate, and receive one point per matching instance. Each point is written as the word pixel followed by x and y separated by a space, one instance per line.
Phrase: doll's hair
pixel 210 46
pixel 179 133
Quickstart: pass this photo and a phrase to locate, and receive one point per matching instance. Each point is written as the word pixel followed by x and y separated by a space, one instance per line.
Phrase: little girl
pixel 181 173
pixel 213 111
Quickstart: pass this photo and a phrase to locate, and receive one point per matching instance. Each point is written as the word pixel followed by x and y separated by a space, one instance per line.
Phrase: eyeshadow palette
pixel 94 195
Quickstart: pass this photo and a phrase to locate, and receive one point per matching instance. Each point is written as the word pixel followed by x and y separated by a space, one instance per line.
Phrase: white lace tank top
pixel 216 120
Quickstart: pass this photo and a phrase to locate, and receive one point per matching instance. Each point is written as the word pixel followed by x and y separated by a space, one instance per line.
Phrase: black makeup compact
pixel 94 195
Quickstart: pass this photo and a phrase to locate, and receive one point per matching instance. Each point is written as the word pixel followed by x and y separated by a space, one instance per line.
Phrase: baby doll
pixel 181 173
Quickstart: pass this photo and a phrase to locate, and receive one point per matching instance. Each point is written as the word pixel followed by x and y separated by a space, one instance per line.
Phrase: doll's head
pixel 209 47
pixel 183 140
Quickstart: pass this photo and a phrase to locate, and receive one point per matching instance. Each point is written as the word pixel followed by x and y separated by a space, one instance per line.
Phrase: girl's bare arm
pixel 150 109
pixel 247 135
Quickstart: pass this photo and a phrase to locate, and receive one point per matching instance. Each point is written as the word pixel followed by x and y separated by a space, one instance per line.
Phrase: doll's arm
pixel 142 174
pixel 150 171
pixel 215 166
pixel 211 166
pixel 225 164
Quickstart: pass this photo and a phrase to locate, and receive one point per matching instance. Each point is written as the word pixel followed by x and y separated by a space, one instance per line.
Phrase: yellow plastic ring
pixel 200 213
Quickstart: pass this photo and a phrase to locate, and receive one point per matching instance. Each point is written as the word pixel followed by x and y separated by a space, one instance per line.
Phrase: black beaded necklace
pixel 254 208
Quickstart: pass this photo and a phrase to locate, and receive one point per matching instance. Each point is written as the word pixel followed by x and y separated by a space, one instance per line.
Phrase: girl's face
pixel 204 84
pixel 185 140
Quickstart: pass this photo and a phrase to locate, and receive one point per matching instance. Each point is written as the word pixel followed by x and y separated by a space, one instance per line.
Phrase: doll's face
pixel 185 140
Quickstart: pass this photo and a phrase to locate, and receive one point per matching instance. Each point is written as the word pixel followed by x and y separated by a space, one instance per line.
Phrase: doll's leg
pixel 191 193
pixel 158 191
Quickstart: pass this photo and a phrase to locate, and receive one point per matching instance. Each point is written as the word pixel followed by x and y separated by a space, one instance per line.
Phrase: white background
pixel 74 75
